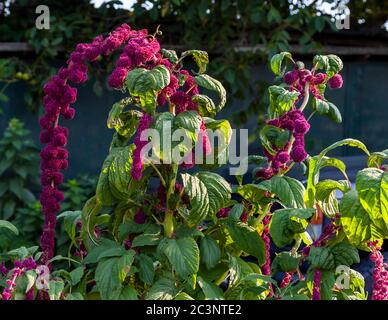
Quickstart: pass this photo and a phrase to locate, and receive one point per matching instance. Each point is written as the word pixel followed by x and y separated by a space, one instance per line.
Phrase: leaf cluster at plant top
pixel 215 25
pixel 159 231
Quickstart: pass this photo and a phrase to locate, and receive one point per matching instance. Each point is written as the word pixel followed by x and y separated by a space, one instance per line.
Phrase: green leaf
pixel 285 262
pixel 218 190
pixel 281 100
pixel 183 255
pixel 199 198
pixel 211 291
pixel 372 188
pixel 335 64
pixel 247 239
pixel 170 55
pixel 286 223
pixel 201 58
pixel 97 252
pixel 272 136
pixel 76 275
pixel 210 252
pixel 321 258
pixel 212 84
pixel 110 273
pixel 345 254
pixel 344 142
pixel 329 258
pixel 375 159
pixel 124 293
pixel 277 63
pixel 355 221
pixel 70 222
pixel 206 106
pixel 55 289
pixel 321 106
pixel 163 289
pixel 146 240
pixel 334 113
pixel 103 192
pixel 146 268
pixel 326 194
pixel 146 84
pixel 9 226
pixel 322 62
pixel 289 190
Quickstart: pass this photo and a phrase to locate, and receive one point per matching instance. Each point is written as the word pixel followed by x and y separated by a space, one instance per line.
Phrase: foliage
pixel 18 169
pixel 159 231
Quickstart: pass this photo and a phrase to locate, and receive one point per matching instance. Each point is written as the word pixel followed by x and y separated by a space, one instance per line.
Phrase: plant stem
pixel 168 223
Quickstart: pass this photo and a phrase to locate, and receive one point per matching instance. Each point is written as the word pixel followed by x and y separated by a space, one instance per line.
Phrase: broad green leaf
pixel 289 190
pixel 355 221
pixel 247 239
pixel 326 195
pixel 206 106
pixel 70 222
pixel 212 84
pixel 372 188
pixel 146 240
pixel 170 55
pixel 199 198
pixel 97 252
pixel 345 254
pixel 103 192
pixel 277 63
pixel 211 291
pixel 321 61
pixel 376 158
pixel 183 255
pixel 76 275
pixel 344 142
pixel 146 268
pixel 210 252
pixel 9 226
pixel 272 136
pixel 321 258
pixel 335 64
pixel 218 190
pixel 220 132
pixel 111 272
pixel 124 293
pixel 334 113
pixel 321 106
pixel 285 262
pixel 146 84
pixel 162 289
pixel 55 289
pixel 286 223
pixel 201 58
pixel 281 100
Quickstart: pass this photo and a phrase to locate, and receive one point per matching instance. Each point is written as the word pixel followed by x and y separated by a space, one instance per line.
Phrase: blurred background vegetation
pixel 240 36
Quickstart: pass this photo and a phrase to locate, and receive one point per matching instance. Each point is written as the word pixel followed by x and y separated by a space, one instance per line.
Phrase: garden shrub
pixel 167 230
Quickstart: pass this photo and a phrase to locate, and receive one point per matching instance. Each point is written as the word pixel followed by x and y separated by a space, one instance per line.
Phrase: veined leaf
pixel 201 58
pixel 372 188
pixel 146 84
pixel 277 63
pixel 356 223
pixel 212 84
pixel 183 255
pixel 286 223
